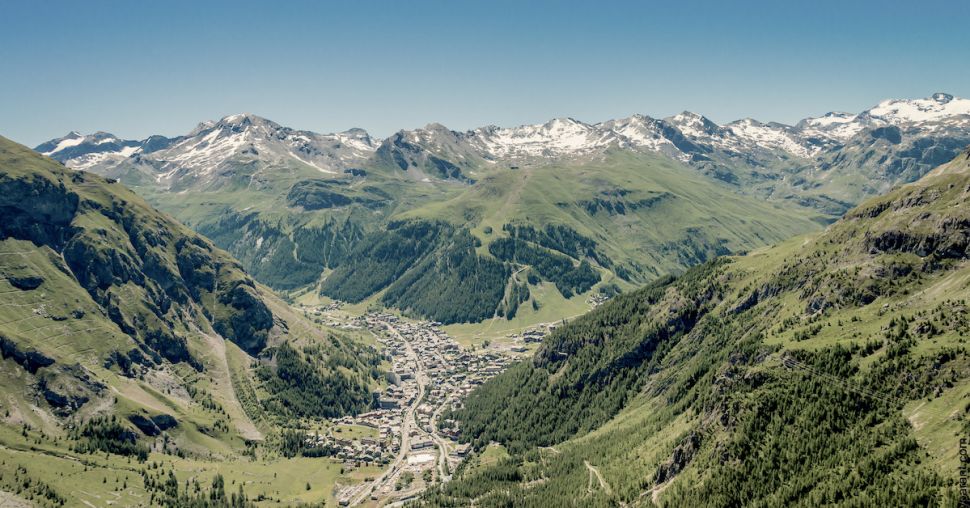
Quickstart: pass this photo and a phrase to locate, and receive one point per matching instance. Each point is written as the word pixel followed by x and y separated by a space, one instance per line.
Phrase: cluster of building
pixel 430 373
pixel 596 299
pixel 379 449
pixel 451 371
pixel 532 335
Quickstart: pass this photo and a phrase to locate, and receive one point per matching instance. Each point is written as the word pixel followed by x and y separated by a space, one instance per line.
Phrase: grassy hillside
pixel 129 341
pixel 830 369
pixel 649 214
pixel 622 220
pixel 638 216
pixel 287 223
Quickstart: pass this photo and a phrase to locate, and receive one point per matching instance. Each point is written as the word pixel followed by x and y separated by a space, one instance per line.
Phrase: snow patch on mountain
pixel 694 125
pixel 934 108
pixel 560 136
pixel 204 153
pixel 641 131
pixel 214 147
pixel 835 125
pixel 72 139
pixel 776 137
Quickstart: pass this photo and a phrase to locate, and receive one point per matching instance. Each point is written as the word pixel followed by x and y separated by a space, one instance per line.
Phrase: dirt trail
pixel 223 382
pixel 595 472
pixel 655 492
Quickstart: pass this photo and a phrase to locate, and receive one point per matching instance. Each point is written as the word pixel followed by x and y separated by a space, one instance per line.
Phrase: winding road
pixel 407 424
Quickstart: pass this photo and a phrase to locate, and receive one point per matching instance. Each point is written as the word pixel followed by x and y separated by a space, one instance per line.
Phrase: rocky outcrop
pixel 25 282
pixel 679 459
pixel 950 239
pixel 36 209
pixel 249 321
pixel 150 275
pixel 152 425
pixel 31 360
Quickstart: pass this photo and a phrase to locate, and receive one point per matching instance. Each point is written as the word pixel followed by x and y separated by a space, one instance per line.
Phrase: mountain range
pixel 758 314
pixel 831 369
pixel 304 211
pixel 686 136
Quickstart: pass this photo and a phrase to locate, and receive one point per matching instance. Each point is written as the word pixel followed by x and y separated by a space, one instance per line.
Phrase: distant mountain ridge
pixel 687 136
pixel 655 196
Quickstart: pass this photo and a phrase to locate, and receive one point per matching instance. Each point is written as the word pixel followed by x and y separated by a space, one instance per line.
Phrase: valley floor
pixel 386 456
pixel 431 373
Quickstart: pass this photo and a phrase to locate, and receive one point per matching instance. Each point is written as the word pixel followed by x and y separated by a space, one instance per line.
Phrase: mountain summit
pixel 654 196
pixel 568 136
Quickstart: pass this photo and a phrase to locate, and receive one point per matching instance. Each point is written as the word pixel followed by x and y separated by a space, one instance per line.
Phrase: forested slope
pixel 831 369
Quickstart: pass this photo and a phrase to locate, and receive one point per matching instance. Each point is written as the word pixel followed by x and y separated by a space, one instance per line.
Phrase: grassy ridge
pixel 128 340
pixel 648 216
pixel 829 369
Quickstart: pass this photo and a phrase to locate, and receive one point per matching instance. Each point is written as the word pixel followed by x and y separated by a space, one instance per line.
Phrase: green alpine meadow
pixel 492 254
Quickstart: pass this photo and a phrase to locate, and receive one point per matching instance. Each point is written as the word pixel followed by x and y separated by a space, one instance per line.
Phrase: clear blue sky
pixel 136 68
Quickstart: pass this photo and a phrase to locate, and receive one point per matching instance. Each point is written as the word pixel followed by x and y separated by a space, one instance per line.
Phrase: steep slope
pixel 830 369
pixel 294 206
pixel 122 331
pixel 570 227
pixel 286 203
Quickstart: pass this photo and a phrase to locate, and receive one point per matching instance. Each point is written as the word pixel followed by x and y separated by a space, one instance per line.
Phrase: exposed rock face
pixel 67 388
pixel 29 360
pixel 152 425
pixel 927 219
pixel 26 282
pixel 948 240
pixel 679 459
pixel 154 278
pixel 64 388
pixel 36 209
pixel 249 324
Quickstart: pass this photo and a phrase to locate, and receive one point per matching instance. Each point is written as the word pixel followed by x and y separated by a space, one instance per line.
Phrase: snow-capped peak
pixel 76 143
pixel 203 154
pixel 694 125
pixel 644 132
pixel 557 137
pixel 840 126
pixel 236 118
pixel 836 125
pixel 936 107
pixel 237 123
pixel 54 146
pixel 85 151
pixel 771 136
pixel 830 119
pixel 687 136
pixel 357 139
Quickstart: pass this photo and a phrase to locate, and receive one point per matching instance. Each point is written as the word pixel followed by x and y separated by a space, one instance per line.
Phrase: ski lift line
pixel 792 363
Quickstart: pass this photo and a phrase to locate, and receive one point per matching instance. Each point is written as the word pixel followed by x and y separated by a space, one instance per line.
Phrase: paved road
pixel 408 423
pixel 443 474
